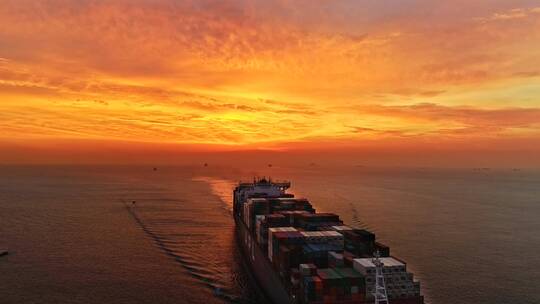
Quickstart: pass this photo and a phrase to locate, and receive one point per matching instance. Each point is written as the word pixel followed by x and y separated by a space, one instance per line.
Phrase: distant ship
pixel 299 256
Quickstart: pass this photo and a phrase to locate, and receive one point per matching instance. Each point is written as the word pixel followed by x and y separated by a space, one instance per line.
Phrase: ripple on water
pixel 199 236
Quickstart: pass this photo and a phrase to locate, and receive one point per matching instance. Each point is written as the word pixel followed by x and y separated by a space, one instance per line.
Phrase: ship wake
pixel 196 231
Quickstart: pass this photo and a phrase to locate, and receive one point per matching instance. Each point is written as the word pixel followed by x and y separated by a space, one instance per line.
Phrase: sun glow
pixel 269 73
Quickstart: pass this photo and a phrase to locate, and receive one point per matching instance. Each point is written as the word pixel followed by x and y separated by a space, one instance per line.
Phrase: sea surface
pixel 119 234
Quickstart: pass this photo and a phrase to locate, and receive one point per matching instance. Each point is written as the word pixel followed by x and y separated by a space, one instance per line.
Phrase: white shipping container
pixel 271 239
pixel 342 228
pixel 364 266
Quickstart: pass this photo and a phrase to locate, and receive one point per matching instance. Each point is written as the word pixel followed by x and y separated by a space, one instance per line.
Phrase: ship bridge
pixel 259 187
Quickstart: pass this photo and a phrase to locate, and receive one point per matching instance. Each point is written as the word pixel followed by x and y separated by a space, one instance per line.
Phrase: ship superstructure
pixel 300 256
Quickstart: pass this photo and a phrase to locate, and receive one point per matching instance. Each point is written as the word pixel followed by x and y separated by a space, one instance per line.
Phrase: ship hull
pixel 260 266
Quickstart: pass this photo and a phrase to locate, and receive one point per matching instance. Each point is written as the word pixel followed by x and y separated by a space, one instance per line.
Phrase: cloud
pixel 427 120
pixel 512 14
pixel 217 106
pixel 267 46
pixel 236 72
pixel 505 117
pixel 414 92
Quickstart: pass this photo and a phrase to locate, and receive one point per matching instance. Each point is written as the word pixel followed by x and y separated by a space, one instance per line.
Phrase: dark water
pixel 75 236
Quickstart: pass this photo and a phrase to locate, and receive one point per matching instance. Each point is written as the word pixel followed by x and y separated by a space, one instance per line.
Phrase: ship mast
pixel 380 287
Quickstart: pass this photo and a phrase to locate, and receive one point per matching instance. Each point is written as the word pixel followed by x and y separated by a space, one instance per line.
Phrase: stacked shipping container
pixel 319 259
pixel 399 282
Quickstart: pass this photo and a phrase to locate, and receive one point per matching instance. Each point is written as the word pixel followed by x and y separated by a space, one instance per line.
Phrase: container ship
pixel 300 256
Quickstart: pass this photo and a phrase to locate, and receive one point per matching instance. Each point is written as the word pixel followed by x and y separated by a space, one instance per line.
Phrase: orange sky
pixel 279 75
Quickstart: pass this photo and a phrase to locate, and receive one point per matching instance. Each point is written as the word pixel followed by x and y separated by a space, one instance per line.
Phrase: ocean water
pixel 137 235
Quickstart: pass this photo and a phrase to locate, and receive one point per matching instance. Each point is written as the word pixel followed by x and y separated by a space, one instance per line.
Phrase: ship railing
pixel 281 183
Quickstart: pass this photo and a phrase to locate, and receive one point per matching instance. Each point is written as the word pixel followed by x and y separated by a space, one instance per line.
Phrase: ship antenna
pixel 380 286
